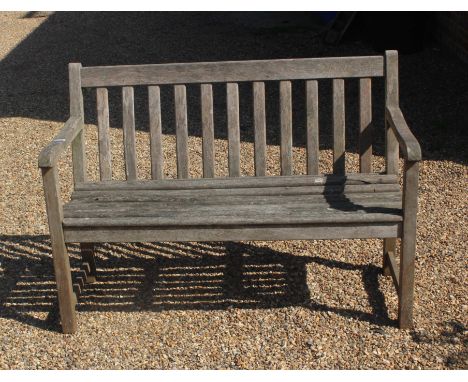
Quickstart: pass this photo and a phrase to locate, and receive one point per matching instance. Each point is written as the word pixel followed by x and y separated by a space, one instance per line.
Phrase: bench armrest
pixel 49 155
pixel 408 142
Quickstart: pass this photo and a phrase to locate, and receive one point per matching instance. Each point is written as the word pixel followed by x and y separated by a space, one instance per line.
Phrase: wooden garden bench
pixel 260 207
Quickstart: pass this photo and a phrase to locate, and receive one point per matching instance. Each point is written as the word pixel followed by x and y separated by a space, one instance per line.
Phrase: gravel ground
pixel 254 305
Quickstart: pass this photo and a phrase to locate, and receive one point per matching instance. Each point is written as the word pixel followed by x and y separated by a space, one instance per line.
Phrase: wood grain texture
pixel 286 128
pixel 365 125
pixel 180 102
pixel 62 269
pixel 232 71
pixel 338 127
pixel 128 119
pixel 392 268
pixel 206 91
pixel 225 217
pixel 312 106
pixel 149 194
pixel 312 204
pixel 105 160
pixel 244 182
pixel 50 154
pixel 77 110
pixel 408 244
pixel 124 201
pixel 389 246
pixel 232 94
pixel 409 145
pixel 258 89
pixel 155 127
pixel 265 233
pixel 391 99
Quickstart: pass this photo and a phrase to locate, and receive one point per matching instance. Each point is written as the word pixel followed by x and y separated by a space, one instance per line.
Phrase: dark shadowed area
pixel 434 85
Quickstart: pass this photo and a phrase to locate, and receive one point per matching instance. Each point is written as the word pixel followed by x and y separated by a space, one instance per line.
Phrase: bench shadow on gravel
pixel 171 276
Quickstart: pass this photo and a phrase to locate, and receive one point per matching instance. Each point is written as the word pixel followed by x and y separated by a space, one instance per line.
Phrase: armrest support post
pixel 392 150
pixel 76 109
pixel 408 142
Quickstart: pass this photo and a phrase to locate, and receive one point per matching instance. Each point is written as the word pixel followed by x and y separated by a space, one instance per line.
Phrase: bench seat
pixel 276 208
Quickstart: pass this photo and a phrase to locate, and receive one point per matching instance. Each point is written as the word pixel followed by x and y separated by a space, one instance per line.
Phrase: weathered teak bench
pixel 287 207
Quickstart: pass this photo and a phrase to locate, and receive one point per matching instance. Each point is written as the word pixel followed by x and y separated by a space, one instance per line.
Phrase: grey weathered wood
pixel 66 296
pixel 389 248
pixel 232 71
pixel 147 214
pixel 245 182
pixel 207 130
pixel 50 154
pixel 316 232
pixel 155 127
pixel 180 101
pixel 391 99
pixel 365 125
pixel 338 127
pixel 249 208
pixel 259 128
pixel 138 199
pixel 408 143
pixel 128 119
pixel 288 190
pixel 392 268
pixel 232 93
pixel 105 161
pixel 77 110
pixel 286 127
pixel 408 244
pixel 312 128
pixel 89 261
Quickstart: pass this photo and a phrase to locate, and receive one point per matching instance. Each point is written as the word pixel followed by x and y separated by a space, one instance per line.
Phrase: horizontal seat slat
pixel 241 182
pixel 127 209
pixel 232 233
pixel 224 192
pixel 167 197
pixel 254 217
pixel 232 71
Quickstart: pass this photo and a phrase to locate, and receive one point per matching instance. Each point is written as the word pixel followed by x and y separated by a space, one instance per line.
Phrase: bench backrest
pixel 231 73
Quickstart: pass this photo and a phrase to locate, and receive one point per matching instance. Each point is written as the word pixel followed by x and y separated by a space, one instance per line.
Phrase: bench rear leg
pixel 89 262
pixel 389 246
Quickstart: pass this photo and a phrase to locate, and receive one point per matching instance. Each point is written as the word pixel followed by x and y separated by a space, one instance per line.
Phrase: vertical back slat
pixel 180 98
pixel 338 127
pixel 232 91
pixel 155 127
pixel 312 128
pixel 207 130
pixel 260 128
pixel 105 161
pixel 286 127
pixel 391 99
pixel 128 119
pixel 77 109
pixel 365 125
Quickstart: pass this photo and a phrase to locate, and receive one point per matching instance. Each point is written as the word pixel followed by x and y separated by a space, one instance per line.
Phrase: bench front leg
pixel 408 244
pixel 66 296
